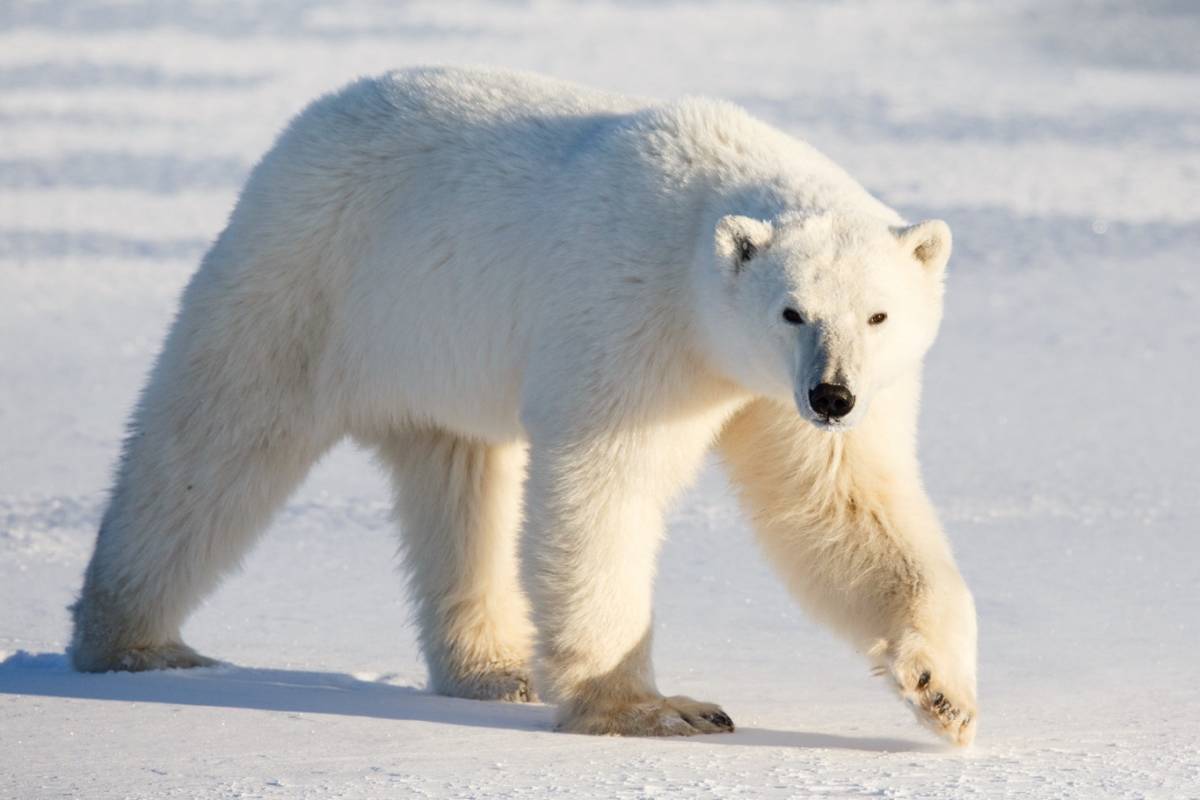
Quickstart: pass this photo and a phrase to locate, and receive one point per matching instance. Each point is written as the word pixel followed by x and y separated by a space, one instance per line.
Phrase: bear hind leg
pixel 228 425
pixel 167 539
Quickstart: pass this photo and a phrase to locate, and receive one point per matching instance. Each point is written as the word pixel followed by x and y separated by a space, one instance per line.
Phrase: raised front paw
pixel 653 716
pixel 939 688
pixel 949 714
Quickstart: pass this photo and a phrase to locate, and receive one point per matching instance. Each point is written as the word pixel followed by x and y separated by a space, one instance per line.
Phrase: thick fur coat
pixel 541 306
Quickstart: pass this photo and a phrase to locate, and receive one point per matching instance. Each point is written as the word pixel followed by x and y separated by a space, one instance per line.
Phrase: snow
pixel 1060 140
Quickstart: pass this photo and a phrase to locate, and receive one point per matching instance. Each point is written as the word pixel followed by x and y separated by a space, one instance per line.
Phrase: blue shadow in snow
pixel 299 691
pixel 294 691
pixel 159 173
pixel 34 244
pixel 85 75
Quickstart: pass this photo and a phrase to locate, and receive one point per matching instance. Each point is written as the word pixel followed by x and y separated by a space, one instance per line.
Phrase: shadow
pixel 33 244
pixel 808 740
pixel 85 118
pixel 1157 35
pixel 305 692
pixel 874 117
pixel 293 691
pixel 159 173
pixel 281 18
pixel 987 243
pixel 85 76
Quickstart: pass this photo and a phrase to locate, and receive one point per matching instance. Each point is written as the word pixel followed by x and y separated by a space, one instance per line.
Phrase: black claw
pixel 719 718
pixel 938 698
pixel 924 680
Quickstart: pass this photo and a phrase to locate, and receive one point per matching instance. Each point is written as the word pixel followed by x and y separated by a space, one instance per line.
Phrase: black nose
pixel 831 400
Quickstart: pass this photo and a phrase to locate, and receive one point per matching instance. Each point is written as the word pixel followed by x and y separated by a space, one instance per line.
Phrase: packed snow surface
pixel 1059 431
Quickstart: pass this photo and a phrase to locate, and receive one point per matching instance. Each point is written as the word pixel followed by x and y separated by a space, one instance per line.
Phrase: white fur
pixel 490 278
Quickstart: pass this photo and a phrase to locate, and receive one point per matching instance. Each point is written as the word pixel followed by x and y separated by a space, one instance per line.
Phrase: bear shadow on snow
pixel 311 692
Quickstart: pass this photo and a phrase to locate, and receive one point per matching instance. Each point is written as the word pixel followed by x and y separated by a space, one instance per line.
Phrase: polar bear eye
pixel 877 319
pixel 792 317
pixel 745 250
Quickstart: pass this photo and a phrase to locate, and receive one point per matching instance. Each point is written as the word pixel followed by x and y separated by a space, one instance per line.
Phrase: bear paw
pixel 507 683
pixel 941 695
pixel 659 716
pixel 171 655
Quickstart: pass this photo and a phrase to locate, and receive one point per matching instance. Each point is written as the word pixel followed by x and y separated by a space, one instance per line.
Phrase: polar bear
pixel 540 305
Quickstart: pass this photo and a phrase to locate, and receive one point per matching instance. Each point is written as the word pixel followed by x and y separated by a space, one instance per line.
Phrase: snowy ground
pixel 1061 141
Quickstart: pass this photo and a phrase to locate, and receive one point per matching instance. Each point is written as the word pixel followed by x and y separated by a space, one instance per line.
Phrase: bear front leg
pixel 594 523
pixel 845 521
pixel 928 651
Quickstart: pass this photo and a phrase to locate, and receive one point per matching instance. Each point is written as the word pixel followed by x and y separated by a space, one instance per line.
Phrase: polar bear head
pixel 826 309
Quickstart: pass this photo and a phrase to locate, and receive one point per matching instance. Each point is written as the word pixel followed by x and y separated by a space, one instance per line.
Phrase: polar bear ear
pixel 928 242
pixel 740 239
